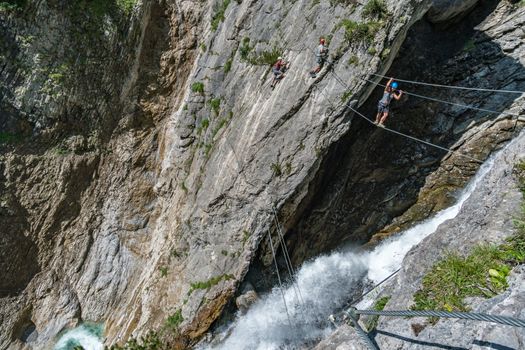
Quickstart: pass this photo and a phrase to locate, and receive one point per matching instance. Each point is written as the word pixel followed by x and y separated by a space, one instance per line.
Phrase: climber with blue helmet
pixel 383 106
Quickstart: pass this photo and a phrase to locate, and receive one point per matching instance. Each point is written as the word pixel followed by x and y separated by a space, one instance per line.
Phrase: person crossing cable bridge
pixel 321 54
pixel 278 70
pixel 383 107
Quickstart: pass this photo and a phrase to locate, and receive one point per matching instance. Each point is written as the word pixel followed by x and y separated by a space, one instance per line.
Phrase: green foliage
pixel 12 5
pixel 209 283
pixel 207 149
pixel 198 87
pixel 203 47
pixel 245 49
pixel 218 17
pixel 372 50
pixel 183 187
pixel 375 9
pixel 224 252
pixel 174 321
pixel 126 6
pixel 359 32
pixel 385 53
pixel 163 271
pixel 265 58
pixel 469 45
pixel 219 126
pixel 8 138
pixel 483 273
pixel 378 306
pixel 353 61
pixel 150 341
pixel 204 125
pixel 228 65
pixel 215 104
pixel 245 236
pixel 276 169
pixel 345 96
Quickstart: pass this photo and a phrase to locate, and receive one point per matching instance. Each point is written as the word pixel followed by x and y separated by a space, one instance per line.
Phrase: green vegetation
pixel 245 49
pixel 375 9
pixel 215 104
pixel 378 306
pixel 209 283
pixel 203 47
pixel 207 149
pixel 224 252
pixel 204 125
pixel 372 50
pixel 8 138
pixel 11 5
pixel 126 6
pixel 174 321
pixel 228 65
pixel 150 341
pixel 385 53
pixel 245 236
pixel 198 87
pixel 219 126
pixel 265 58
pixel 359 32
pixel 353 61
pixel 163 271
pixel 276 169
pixel 345 96
pixel 218 17
pixel 483 273
pixel 469 45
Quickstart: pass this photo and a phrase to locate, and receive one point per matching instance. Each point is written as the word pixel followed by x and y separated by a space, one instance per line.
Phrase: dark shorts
pixel 381 108
pixel 277 72
pixel 321 60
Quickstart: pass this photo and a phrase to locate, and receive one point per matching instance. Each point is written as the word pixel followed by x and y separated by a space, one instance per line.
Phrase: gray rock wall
pixel 142 194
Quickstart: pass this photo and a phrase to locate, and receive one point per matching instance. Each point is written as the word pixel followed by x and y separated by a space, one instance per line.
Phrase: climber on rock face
pixel 321 53
pixel 384 104
pixel 278 70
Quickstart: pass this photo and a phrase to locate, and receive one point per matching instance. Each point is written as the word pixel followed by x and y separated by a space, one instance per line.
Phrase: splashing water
pixel 325 285
pixel 87 335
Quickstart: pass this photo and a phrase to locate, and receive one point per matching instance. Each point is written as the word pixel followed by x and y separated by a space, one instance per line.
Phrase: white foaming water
pixel 326 284
pixel 87 335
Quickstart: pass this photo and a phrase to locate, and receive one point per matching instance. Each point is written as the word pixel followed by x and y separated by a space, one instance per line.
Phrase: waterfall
pixel 326 283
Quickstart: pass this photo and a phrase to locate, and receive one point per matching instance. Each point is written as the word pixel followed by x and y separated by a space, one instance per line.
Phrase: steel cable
pixel 451 86
pixel 505 320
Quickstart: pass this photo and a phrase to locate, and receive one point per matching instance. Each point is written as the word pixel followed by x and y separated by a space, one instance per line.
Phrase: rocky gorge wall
pixel 138 179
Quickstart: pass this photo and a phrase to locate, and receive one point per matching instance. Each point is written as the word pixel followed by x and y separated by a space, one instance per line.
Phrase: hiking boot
pixel 381 125
pixel 313 74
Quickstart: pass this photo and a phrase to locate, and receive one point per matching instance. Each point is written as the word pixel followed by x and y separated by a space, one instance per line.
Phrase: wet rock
pixel 247 298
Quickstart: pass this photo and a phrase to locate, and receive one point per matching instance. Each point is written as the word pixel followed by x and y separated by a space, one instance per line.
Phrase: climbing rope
pixel 404 135
pixel 416 139
pixel 360 331
pixel 451 86
pixel 505 320
pixel 374 287
pixel 287 259
pixel 448 102
pixel 279 279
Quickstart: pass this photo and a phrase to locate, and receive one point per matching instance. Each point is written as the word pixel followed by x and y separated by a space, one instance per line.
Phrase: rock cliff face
pixel 143 150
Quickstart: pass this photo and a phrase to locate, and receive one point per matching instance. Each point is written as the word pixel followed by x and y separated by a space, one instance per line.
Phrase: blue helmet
pixel 394 85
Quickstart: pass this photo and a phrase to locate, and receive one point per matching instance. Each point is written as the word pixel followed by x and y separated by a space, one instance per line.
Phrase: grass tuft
pixel 375 9
pixel 218 17
pixel 198 87
pixel 483 273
